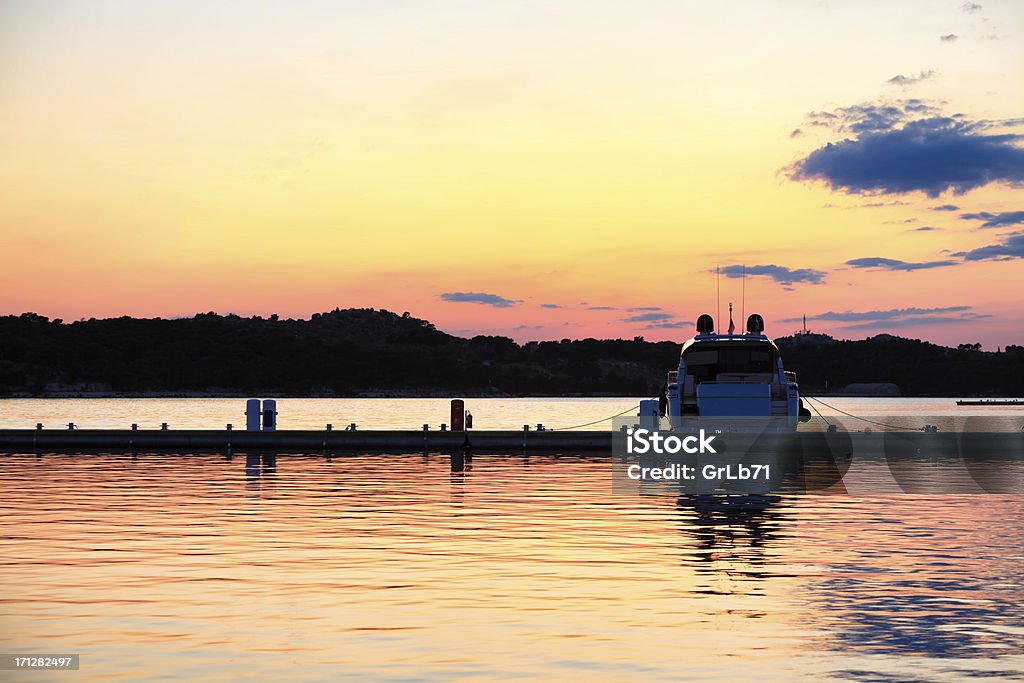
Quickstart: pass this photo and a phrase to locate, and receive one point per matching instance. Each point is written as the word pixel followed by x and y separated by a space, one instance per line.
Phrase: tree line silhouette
pixel 367 352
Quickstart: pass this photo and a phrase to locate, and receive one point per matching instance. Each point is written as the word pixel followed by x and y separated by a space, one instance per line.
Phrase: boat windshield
pixel 705 363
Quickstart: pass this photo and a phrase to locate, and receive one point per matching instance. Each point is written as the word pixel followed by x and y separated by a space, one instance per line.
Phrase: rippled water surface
pixel 294 567
pixel 301 567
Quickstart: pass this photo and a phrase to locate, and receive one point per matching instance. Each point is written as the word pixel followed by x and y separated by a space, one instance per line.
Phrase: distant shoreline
pixel 278 394
pixel 414 395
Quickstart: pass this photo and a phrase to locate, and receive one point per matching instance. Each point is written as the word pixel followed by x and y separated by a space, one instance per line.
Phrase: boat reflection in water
pixel 731 531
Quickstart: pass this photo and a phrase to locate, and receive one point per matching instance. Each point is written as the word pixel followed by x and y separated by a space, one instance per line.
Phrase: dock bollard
pixel 526 428
pixel 330 427
pixel 458 415
pixel 163 426
pixel 540 427
pixel 269 415
pixel 444 427
pixel 469 420
pixel 39 425
pixel 252 415
pixel 229 426
pixel 426 427
pixel 135 427
pixel 352 427
pixel 649 414
pixel 71 425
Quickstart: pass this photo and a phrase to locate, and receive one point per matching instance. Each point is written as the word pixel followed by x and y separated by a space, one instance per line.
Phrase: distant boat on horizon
pixel 991 402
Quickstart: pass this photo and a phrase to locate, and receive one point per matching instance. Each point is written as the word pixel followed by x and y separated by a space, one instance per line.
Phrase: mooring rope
pixel 587 424
pixel 807 396
pixel 856 417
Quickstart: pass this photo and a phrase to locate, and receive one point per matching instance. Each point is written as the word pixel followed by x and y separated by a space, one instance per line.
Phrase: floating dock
pixel 384 441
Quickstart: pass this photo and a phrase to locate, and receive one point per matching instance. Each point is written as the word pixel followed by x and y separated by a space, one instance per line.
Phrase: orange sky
pixel 163 159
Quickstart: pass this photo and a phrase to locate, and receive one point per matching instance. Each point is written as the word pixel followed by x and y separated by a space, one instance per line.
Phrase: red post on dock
pixel 458 421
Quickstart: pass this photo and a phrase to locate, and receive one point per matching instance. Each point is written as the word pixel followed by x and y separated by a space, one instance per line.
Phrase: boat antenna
pixel 743 296
pixel 718 283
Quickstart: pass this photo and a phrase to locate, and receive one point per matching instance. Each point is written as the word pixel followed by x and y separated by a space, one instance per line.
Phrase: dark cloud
pixel 1012 247
pixel 870 117
pixel 905 147
pixel 796 133
pixel 925 228
pixel 900 79
pixel 643 308
pixel 946 207
pixel 880 263
pixel 970 7
pixel 648 318
pixel 478 298
pixel 949 37
pixel 995 220
pixel 602 308
pixel 781 274
pixel 550 306
pixel 888 314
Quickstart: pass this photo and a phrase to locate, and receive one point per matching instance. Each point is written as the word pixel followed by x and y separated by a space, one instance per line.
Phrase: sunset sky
pixel 534 169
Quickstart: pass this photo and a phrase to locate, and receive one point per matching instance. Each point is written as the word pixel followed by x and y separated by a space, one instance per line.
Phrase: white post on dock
pixel 269 415
pixel 252 415
pixel 649 414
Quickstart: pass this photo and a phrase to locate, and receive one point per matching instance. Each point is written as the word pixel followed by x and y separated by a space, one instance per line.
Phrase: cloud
pixel 796 132
pixel 781 274
pixel 875 205
pixel 643 308
pixel 949 37
pixel 648 318
pixel 478 298
pixel 668 325
pixel 1012 247
pixel 869 117
pixel 970 7
pixel 880 263
pixel 901 80
pixel 925 228
pixel 946 207
pixel 867 205
pixel 602 308
pixel 995 220
pixel 550 306
pixel 905 147
pixel 914 322
pixel 881 315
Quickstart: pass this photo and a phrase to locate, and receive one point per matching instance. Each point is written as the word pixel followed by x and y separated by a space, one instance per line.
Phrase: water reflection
pixel 408 567
pixel 260 470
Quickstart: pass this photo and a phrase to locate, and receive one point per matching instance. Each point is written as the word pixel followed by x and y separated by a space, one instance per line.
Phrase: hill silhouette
pixel 367 352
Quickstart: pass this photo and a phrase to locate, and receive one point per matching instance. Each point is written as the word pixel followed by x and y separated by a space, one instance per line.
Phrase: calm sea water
pixel 310 568
pixel 410 413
